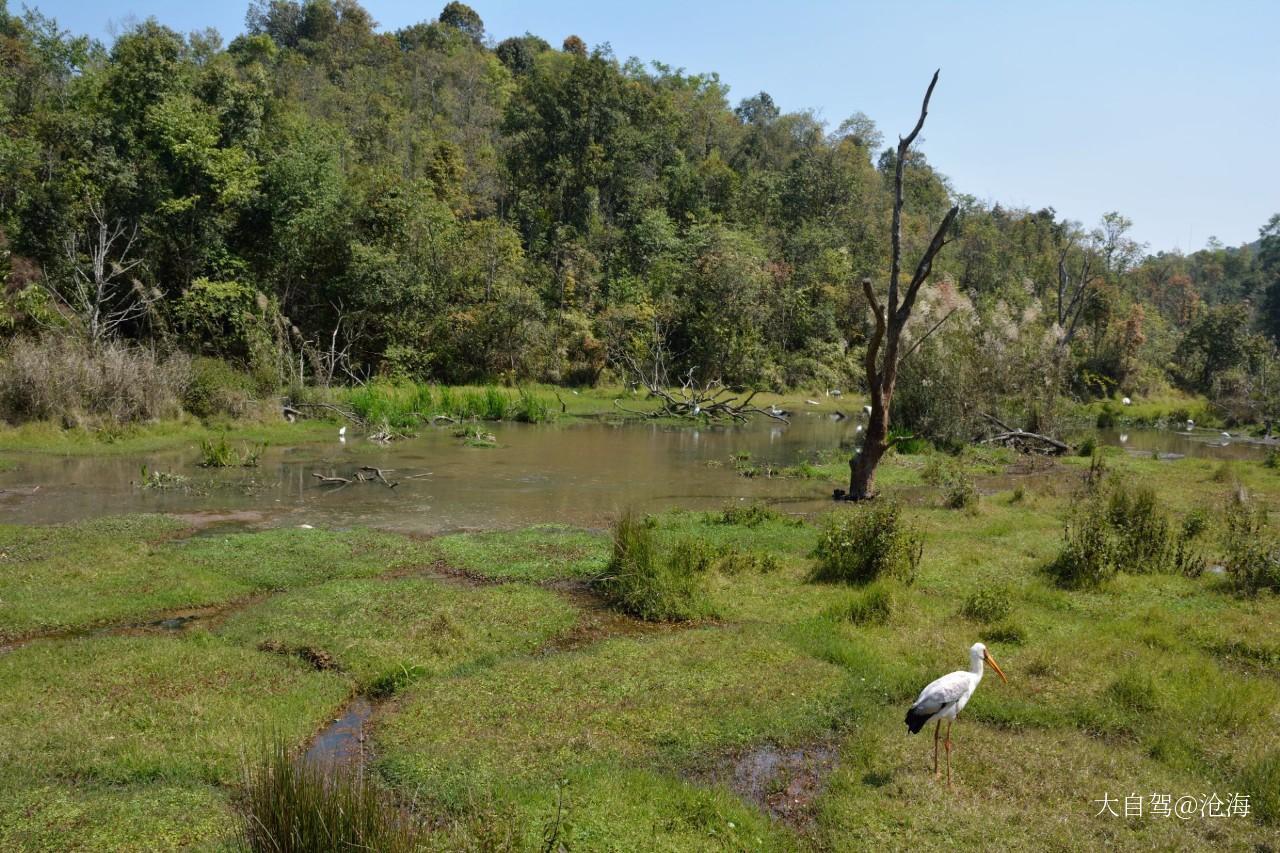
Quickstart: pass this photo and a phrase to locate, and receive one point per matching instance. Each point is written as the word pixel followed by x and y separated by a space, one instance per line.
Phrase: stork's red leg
pixel 948 745
pixel 936 731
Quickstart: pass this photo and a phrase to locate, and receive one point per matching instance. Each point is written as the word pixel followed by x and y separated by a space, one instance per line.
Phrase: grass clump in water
pixel 220 454
pixel 654 583
pixel 866 542
pixel 291 806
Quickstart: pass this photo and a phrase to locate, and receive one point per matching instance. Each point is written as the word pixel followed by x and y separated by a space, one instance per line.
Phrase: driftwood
pixel 1023 441
pixel 1029 442
pixel 364 474
pixel 710 399
pixel 376 474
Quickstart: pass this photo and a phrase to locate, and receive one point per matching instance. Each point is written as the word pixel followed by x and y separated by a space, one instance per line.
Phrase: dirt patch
pixel 319 659
pixel 442 571
pixel 783 781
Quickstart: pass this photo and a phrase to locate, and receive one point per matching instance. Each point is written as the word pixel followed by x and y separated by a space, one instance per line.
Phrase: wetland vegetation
pixel 509 702
pixel 368 475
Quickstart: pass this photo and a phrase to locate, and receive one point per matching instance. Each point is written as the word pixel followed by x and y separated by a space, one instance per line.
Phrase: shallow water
pixel 1176 443
pixel 579 473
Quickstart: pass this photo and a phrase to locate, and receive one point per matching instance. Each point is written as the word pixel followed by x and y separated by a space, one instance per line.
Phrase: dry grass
pixel 63 380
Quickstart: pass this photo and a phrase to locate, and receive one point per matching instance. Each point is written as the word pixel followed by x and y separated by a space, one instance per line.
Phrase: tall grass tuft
pixel 530 409
pixel 291 806
pixel 653 583
pixel 1261 781
pixel 220 454
pixel 1115 528
pixel 987 604
pixel 868 541
pixel 1252 553
pixel 873 605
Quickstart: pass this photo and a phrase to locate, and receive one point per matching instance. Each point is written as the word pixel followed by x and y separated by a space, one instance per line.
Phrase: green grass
pixel 535 553
pixel 515 703
pixel 128 710
pixel 52 818
pixel 663 701
pixel 114 569
pixel 385 633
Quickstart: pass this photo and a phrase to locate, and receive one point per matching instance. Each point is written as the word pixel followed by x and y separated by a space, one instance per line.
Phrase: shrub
pixel 1087 446
pixel 62 379
pixel 1195 523
pixel 1113 528
pixel 652 585
pixel 747 514
pixel 987 604
pixel 1108 417
pixel 216 388
pixel 868 541
pixel 1142 531
pixel 1272 459
pixel 292 805
pixel 1252 555
pixel 949 475
pixel 871 606
pixel 1088 556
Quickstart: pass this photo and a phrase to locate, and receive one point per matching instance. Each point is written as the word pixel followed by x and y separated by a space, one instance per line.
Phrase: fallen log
pixel 1029 442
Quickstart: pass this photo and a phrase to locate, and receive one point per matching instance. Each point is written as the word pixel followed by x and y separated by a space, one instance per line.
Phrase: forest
pixel 322 202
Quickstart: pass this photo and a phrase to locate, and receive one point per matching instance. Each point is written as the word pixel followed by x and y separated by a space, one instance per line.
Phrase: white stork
pixel 944 698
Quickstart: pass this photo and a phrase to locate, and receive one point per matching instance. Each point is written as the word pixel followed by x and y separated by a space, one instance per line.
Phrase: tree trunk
pixel 862 466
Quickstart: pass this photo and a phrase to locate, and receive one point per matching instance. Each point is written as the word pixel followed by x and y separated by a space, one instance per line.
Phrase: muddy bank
pixel 784 782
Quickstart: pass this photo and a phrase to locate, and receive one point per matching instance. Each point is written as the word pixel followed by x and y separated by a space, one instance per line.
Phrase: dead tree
pixel 100 292
pixel 883 356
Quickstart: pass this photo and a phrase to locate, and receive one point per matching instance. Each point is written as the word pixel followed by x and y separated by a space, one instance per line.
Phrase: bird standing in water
pixel 944 698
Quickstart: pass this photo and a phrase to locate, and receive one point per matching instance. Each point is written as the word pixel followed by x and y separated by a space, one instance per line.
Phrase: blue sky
pixel 1165 111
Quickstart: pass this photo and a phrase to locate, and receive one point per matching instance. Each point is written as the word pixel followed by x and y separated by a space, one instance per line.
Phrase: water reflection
pixel 580 473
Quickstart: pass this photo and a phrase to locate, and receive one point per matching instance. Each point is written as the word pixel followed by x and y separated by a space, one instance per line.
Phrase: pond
pixel 580 473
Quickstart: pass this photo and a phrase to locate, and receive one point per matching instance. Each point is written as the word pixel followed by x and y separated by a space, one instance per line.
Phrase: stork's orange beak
pixel 995 666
